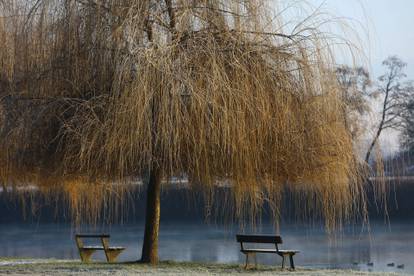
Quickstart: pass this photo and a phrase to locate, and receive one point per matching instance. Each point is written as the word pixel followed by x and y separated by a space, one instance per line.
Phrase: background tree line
pixel 393 91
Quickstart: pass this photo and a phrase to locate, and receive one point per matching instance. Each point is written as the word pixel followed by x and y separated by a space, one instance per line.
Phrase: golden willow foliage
pixel 97 92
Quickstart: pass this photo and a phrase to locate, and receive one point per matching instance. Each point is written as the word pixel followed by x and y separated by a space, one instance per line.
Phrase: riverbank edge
pixel 24 266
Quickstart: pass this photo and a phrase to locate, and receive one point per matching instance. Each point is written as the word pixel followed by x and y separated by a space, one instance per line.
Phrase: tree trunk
pixel 381 125
pixel 371 147
pixel 152 218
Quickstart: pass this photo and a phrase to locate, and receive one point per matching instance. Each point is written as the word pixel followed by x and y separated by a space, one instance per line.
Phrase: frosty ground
pixel 70 267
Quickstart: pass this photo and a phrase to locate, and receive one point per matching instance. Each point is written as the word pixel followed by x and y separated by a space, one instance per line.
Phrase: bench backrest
pixel 259 239
pixel 103 237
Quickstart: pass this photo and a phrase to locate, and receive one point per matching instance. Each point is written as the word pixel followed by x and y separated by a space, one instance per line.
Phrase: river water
pixel 183 241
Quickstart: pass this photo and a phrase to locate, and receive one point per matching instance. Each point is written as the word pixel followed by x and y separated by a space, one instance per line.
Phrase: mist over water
pixel 199 242
pixel 184 235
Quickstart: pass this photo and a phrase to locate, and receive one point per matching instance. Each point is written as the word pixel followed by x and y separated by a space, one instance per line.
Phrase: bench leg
pixel 283 261
pixel 85 255
pixel 292 265
pixel 255 260
pixel 112 255
pixel 247 260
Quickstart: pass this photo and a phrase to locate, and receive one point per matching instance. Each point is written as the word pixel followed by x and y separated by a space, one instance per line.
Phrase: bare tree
pixel 407 115
pixel 394 92
pixel 354 83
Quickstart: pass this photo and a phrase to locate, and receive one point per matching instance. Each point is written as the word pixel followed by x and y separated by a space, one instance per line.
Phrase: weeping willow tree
pixel 97 94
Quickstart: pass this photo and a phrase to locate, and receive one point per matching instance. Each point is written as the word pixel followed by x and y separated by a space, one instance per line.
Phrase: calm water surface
pixel 211 243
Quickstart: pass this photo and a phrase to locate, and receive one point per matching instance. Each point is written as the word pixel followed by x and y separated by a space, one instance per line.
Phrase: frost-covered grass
pixel 12 266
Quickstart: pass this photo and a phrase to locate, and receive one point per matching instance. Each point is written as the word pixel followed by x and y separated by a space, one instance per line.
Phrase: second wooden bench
pixel 265 239
pixel 85 251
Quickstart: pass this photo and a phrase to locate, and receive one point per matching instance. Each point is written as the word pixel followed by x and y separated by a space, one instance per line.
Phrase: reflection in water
pixel 204 243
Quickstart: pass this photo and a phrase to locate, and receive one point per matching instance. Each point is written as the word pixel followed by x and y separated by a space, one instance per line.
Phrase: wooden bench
pixel 265 239
pixel 86 252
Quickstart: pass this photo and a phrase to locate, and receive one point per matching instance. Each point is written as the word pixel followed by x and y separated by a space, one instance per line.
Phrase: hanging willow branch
pixel 237 102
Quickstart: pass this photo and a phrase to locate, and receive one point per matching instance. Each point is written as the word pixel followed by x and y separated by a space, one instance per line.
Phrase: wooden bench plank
pixel 116 248
pixel 92 247
pixel 288 251
pixel 259 251
pixel 93 235
pixel 259 239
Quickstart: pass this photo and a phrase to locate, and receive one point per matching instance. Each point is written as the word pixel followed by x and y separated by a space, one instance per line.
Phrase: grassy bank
pixel 69 267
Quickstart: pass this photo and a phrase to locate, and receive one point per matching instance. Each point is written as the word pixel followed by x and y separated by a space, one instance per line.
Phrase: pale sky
pixel 384 28
pixel 390 31
pixel 388 24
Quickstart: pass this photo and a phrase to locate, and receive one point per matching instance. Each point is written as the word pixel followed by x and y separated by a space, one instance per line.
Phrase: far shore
pixel 16 266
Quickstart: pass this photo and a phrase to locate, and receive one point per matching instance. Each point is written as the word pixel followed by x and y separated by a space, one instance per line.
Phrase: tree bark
pixel 371 147
pixel 152 218
pixel 381 125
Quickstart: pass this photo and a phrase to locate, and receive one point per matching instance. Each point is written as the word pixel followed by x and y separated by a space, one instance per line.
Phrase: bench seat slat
pixel 97 247
pixel 259 250
pixel 289 251
pixel 116 248
pixel 92 235
pixel 92 247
